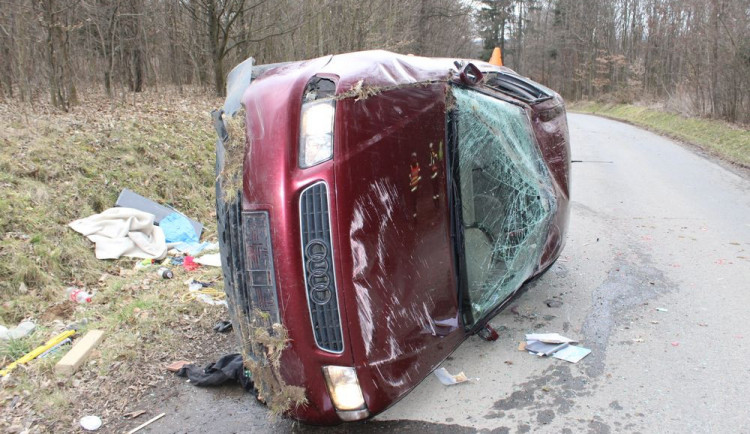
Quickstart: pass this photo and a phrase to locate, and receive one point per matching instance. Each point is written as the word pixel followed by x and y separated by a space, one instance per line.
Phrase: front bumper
pixel 263 263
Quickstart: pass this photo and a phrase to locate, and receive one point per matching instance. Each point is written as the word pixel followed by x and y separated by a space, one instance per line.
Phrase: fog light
pixel 344 388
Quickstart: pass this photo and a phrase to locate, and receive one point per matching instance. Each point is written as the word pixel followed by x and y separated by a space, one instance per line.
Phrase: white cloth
pixel 211 259
pixel 123 232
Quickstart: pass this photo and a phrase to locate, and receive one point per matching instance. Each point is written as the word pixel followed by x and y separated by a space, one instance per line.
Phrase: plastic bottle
pixel 165 273
pixel 78 295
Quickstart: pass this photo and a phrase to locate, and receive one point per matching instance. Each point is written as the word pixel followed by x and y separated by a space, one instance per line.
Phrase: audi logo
pixel 317 267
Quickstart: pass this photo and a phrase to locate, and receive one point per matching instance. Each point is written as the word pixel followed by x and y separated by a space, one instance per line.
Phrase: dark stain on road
pixel 552 393
pixel 627 285
pixel 545 416
pixel 556 390
pixel 598 427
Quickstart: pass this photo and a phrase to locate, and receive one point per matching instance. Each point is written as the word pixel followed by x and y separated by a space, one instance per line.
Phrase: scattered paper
pixel 212 260
pixel 555 345
pixel 572 353
pixel 544 349
pixel 549 338
pixel 447 379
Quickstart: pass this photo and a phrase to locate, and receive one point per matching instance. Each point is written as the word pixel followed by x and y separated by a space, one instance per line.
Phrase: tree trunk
pixel 217 56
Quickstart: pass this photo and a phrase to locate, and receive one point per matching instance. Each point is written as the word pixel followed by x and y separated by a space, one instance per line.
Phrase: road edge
pixel 734 167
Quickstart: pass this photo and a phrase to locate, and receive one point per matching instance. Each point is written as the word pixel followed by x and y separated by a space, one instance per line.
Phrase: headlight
pixel 344 387
pixel 316 132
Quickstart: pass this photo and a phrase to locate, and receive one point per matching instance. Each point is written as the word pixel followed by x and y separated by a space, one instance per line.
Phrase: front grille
pixel 317 258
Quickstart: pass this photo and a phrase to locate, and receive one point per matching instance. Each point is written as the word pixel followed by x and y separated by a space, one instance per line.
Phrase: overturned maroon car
pixel 374 211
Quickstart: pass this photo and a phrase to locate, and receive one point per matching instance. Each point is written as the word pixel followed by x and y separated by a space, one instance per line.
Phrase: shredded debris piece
pixel 448 379
pixel 360 91
pixel 262 348
pixel 230 175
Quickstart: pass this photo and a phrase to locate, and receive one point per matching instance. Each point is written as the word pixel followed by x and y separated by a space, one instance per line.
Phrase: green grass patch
pixel 727 141
pixel 13 349
pixel 58 167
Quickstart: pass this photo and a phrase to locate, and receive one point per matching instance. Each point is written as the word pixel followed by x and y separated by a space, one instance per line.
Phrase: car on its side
pixel 375 211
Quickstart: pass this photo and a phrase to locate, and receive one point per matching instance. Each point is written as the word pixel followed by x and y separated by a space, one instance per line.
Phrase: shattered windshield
pixel 506 196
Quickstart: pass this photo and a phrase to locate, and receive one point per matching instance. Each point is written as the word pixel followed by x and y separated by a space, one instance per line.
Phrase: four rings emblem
pixel 317 266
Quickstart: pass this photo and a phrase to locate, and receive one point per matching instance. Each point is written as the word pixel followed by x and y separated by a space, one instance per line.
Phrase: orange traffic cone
pixel 497 57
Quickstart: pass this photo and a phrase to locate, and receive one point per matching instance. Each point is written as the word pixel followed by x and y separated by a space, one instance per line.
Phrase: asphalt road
pixel 653 225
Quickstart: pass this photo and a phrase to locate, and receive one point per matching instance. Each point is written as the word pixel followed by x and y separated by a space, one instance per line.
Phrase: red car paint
pixel 390 218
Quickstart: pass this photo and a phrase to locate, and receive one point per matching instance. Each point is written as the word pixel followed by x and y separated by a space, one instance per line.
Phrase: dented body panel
pixel 391 206
pixel 391 191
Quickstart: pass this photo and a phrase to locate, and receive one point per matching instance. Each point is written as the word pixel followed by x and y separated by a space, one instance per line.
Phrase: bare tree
pixel 690 55
pixel 56 20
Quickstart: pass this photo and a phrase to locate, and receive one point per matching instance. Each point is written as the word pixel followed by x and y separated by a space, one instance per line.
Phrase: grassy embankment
pixel 57 167
pixel 727 141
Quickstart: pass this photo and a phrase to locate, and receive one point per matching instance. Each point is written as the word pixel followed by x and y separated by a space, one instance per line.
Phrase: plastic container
pixel 78 295
pixel 165 273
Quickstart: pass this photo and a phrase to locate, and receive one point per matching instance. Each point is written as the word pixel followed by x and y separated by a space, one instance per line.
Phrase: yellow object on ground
pixel 33 354
pixel 216 295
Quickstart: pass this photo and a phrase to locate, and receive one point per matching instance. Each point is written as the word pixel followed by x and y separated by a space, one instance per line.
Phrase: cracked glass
pixel 507 198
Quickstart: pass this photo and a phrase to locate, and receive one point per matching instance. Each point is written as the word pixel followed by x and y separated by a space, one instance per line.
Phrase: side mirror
pixel 471 75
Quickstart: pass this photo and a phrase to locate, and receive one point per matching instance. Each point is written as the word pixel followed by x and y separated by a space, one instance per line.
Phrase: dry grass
pixel 55 168
pixel 267 343
pixel 230 174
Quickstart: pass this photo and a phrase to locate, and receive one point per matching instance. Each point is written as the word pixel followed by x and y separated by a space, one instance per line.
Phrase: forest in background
pixel 691 56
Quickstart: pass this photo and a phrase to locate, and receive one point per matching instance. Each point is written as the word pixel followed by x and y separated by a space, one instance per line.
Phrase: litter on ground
pixel 23 329
pixel 572 353
pixel 189 263
pixel 448 379
pixel 73 360
pixel 549 338
pixel 194 249
pixel 120 232
pixel 130 199
pixel 176 366
pixel 177 229
pixel 147 423
pixel 544 349
pixel 555 345
pixel 36 352
pixel 90 423
pixel 212 260
pixel 202 292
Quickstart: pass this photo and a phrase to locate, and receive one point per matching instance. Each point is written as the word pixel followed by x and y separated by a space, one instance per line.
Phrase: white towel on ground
pixel 123 232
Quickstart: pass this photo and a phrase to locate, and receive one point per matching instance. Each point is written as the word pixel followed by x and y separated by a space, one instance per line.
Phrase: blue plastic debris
pixel 177 228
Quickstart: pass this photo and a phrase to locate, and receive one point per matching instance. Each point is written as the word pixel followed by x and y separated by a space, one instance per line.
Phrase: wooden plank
pixel 145 424
pixel 77 355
